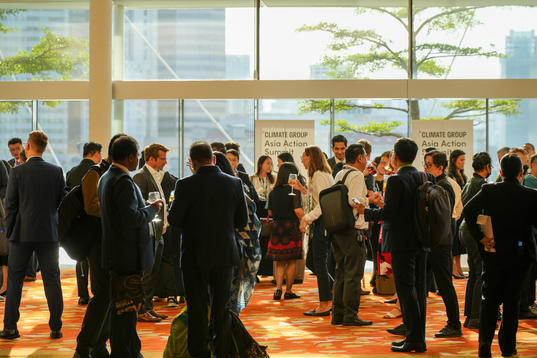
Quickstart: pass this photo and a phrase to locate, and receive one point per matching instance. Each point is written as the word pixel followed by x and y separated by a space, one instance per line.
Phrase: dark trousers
pixel 502 282
pixel 124 340
pixel 441 261
pixel 350 255
pixel 32 267
pixel 472 297
pixel 82 271
pixel 374 241
pixel 409 275
pixel 95 329
pixel 19 256
pixel 527 295
pixel 317 259
pixel 198 283
pixel 151 276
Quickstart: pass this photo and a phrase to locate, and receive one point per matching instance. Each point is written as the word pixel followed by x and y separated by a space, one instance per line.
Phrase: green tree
pixel 54 57
pixel 353 53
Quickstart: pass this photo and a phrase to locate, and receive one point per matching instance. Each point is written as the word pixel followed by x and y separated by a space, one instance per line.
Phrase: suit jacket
pixel 34 192
pixel 398 213
pixel 336 167
pixel 3 180
pixel 75 175
pixel 11 162
pixel 513 211
pixel 208 206
pixel 126 244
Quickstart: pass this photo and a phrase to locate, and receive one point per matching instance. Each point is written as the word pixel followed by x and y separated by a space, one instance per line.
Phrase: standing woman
pixel 263 179
pixel 285 245
pixel 456 172
pixel 320 178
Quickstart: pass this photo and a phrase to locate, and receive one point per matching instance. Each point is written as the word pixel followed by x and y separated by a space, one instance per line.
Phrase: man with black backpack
pixel 408 254
pixel 348 246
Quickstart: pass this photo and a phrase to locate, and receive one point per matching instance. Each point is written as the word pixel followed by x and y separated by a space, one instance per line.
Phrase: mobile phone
pixel 356 201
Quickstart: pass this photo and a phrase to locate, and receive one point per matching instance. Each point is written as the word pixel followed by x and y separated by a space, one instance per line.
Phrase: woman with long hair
pixel 455 171
pixel 285 245
pixel 319 175
pixel 263 179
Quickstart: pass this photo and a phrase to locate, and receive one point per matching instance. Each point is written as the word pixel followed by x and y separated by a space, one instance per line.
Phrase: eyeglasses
pixel 428 165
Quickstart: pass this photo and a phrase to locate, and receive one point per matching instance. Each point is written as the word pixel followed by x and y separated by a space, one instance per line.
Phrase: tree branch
pixel 445 13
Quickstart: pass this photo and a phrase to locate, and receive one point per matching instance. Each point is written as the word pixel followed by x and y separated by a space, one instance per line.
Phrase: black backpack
pixel 334 201
pixel 433 214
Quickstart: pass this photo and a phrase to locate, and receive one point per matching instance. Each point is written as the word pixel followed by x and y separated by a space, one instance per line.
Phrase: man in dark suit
pixel 409 258
pixel 15 148
pixel 508 255
pixel 91 155
pixel 127 247
pixel 339 144
pixel 34 193
pixel 208 206
pixel 149 179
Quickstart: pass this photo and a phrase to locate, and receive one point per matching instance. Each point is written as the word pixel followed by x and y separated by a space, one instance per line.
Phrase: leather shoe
pixel 56 334
pixel 277 295
pixel 10 334
pixel 158 315
pixel 313 312
pixel 83 301
pixel 473 323
pixel 357 321
pixel 409 347
pixel 290 296
pixel 513 353
pixel 336 320
pixel 148 317
pixel 364 292
pixel 392 301
pixel 398 343
pixel 449 332
pixel 527 315
pixel 484 351
pixel 398 331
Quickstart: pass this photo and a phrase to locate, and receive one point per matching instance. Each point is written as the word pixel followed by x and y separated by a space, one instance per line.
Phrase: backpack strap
pixel 346 174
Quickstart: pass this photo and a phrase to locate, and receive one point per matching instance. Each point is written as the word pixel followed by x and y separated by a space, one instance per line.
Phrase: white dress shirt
pixel 457 208
pixel 158 176
pixel 355 182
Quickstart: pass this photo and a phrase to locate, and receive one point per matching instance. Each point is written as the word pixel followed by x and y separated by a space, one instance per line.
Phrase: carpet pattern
pixel 278 324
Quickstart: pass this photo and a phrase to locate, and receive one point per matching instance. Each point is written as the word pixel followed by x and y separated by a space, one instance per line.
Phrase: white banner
pixel 273 137
pixel 445 136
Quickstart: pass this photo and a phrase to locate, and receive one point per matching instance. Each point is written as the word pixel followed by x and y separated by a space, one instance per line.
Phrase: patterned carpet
pixel 280 325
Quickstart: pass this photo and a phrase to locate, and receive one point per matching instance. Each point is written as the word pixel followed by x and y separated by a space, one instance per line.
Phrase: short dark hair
pixel 352 152
pixel 201 152
pixel 429 153
pixel 91 148
pixel 234 153
pixel 533 158
pixel 14 141
pixel 406 150
pixel 218 147
pixel 123 147
pixel 111 143
pixel 530 145
pixel 338 139
pixel 429 149
pixel 222 163
pixel 286 157
pixel 439 160
pixel 233 145
pixel 480 161
pixel 511 166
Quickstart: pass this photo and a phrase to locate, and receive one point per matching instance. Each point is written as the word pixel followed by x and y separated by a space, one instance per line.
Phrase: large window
pixel 43 44
pixel 15 121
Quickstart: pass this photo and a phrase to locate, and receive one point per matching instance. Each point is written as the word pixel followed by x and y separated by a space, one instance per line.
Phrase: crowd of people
pixel 208 237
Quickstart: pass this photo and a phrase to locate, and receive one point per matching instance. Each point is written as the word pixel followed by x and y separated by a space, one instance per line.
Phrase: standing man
pixel 506 256
pixel 409 258
pixel 127 247
pixel 530 148
pixel 349 246
pixel 339 144
pixel 34 193
pixel 208 207
pixel 91 155
pixel 149 179
pixel 15 148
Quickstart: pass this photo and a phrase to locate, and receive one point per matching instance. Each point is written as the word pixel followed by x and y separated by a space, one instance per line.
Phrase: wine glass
pixel 292 181
pixel 152 197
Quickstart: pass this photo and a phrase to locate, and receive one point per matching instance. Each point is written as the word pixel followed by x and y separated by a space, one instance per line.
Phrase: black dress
pixel 285 238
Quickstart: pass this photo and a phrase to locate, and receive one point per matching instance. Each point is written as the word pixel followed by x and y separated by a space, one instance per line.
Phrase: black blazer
pixel 126 245
pixel 398 212
pixel 34 192
pixel 75 175
pixel 3 180
pixel 11 162
pixel 513 210
pixel 208 206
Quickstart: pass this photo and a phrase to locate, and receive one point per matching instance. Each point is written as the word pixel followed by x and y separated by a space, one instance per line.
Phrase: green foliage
pixel 54 57
pixel 379 129
pixel 353 53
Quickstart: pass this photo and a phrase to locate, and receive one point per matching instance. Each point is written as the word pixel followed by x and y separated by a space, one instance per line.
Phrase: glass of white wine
pixel 152 197
pixel 292 181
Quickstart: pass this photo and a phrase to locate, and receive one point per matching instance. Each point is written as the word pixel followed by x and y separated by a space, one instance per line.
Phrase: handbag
pixel 266 226
pixel 384 285
pixel 127 293
pixel 4 245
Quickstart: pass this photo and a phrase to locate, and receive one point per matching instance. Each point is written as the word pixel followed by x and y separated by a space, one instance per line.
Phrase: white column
pixel 100 91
